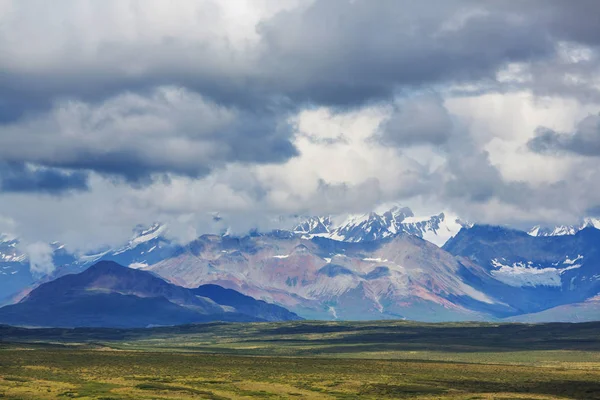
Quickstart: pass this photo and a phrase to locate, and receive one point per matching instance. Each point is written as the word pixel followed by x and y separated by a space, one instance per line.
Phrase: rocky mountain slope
pixel 399 277
pixel 529 273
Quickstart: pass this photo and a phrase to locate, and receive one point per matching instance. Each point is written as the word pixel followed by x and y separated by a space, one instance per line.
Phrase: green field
pixel 304 360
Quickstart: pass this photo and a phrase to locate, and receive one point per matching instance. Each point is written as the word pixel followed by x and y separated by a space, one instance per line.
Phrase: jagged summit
pixel 375 226
pixel 314 225
pixel 561 230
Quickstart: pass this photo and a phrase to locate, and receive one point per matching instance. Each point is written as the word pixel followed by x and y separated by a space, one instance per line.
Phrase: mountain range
pixel 385 265
pixel 532 274
pixel 320 278
pixel 149 245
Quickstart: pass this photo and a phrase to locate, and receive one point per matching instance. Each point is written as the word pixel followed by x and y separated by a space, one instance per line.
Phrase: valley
pixel 304 360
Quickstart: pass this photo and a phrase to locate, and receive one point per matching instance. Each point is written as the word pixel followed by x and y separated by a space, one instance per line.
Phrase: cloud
pixel 24 178
pixel 593 211
pixel 576 24
pixel 413 44
pixel 584 141
pixel 141 111
pixel 359 197
pixel 421 120
pixel 322 52
pixel 135 137
pixel 470 176
pixel 40 258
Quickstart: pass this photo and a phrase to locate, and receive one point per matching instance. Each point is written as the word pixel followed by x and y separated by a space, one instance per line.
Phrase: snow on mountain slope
pixel 9 252
pixel 143 235
pixel 437 229
pixel 559 230
pixel 147 246
pixel 314 225
pixel 591 223
pixel 531 273
pixel 521 274
pixel 371 226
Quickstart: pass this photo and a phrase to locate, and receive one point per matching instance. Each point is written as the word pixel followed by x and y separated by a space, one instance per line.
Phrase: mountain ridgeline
pixel 482 273
pixel 150 245
pixel 533 274
pixel 110 295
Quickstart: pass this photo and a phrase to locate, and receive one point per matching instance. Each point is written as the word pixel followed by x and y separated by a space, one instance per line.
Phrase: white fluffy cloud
pixel 40 258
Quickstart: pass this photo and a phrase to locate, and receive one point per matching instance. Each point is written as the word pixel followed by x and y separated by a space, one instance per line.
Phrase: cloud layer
pixel 126 111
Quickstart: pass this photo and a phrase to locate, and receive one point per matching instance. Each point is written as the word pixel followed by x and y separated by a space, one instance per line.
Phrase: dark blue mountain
pixel 528 273
pixel 245 304
pixel 106 310
pixel 108 294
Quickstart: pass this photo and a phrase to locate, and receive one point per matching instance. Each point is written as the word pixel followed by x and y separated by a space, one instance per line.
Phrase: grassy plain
pixel 304 360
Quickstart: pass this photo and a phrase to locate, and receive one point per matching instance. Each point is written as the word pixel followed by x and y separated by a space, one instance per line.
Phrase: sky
pixel 115 113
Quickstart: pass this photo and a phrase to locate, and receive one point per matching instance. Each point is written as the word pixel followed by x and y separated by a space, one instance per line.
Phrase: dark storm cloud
pixel 594 211
pixel 421 120
pixel 341 52
pixel 585 141
pixel 574 21
pixel 333 52
pixel 474 178
pixel 20 178
pixel 136 138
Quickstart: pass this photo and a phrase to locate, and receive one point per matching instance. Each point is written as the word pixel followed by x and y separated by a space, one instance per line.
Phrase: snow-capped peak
pixel 561 230
pixel 591 223
pixel 374 226
pixel 535 231
pixel 143 235
pixel 314 225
